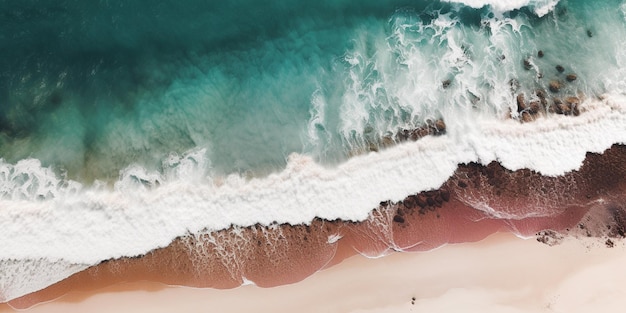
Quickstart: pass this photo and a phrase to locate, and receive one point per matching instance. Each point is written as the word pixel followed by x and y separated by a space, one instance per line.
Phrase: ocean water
pixel 125 125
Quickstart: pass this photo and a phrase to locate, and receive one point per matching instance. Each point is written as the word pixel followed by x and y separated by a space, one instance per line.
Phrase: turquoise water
pixel 91 88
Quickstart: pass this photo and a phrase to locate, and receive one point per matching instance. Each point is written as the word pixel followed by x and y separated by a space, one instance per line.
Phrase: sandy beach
pixel 502 273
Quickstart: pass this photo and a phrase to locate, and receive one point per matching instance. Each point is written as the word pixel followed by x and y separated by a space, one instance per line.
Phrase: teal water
pixel 92 87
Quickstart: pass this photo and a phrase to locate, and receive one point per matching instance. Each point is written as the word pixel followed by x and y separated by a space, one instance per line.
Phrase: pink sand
pixel 499 274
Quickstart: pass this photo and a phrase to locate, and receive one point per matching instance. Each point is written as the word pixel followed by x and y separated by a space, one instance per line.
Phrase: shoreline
pixel 497 273
pixel 585 203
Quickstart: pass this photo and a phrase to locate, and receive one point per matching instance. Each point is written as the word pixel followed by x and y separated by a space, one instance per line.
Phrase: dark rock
pixel 609 243
pixel 423 132
pixel 462 184
pixel 572 100
pixel 430 201
pixel 446 83
pixel 526 117
pixel 560 68
pixel 540 93
pixel 440 126
pixel 521 103
pixel 573 103
pixel 563 108
pixel 554 107
pixel 534 107
pixel 421 201
pixel 398 219
pixel 409 202
pixel 571 77
pixel 402 135
pixel 589 33
pixel 527 64
pixel 555 86
pixel 540 53
pixel 387 141
pixel 445 195
pixel 438 200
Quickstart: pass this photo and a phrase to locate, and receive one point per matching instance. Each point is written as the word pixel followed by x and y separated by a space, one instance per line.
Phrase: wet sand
pixel 502 273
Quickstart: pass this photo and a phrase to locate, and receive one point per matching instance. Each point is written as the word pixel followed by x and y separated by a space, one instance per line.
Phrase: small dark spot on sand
pixel 609 243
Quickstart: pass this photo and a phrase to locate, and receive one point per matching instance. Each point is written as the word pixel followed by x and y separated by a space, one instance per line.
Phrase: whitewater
pixel 56 222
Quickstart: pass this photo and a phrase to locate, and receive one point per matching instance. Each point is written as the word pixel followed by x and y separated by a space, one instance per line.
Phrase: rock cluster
pixel 437 127
pixel 423 202
pixel 530 108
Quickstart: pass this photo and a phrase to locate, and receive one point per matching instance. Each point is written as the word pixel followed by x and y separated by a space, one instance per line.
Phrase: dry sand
pixel 499 274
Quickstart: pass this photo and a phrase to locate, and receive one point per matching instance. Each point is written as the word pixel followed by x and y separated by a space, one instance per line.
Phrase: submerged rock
pixel 540 93
pixel 521 102
pixel 572 100
pixel 571 77
pixel 560 68
pixel 446 83
pixel 526 117
pixel 573 103
pixel 527 64
pixel 440 125
pixel 555 86
pixel 562 108
pixel 540 53
pixel 534 107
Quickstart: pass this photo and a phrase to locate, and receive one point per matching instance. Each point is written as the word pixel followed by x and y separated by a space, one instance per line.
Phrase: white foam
pixel 25 276
pixel 540 7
